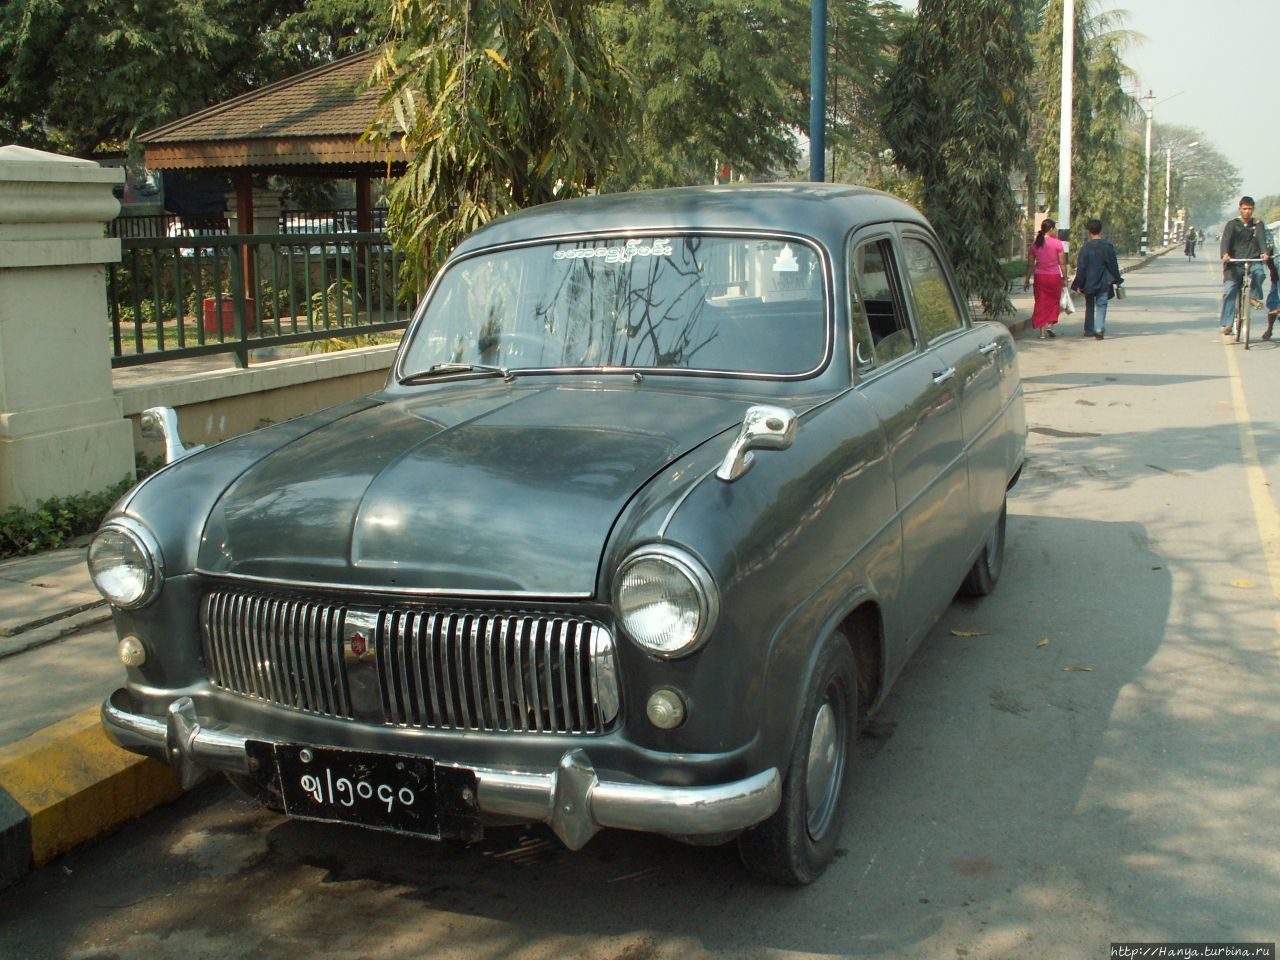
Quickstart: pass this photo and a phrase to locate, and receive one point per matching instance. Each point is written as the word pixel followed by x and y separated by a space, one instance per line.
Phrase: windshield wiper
pixel 436 369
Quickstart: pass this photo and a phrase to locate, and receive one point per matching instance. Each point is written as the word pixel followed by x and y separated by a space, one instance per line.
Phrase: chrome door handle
pixel 942 376
pixel 988 348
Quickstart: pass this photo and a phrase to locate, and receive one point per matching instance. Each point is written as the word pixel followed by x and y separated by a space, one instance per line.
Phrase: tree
pixel 85 76
pixel 956 116
pixel 1107 144
pixel 863 40
pixel 503 105
pixel 710 90
pixel 1202 180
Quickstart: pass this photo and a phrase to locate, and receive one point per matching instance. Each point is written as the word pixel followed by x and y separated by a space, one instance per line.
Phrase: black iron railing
pixel 174 297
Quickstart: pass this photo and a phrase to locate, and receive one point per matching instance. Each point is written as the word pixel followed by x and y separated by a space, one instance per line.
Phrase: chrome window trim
pixel 398 371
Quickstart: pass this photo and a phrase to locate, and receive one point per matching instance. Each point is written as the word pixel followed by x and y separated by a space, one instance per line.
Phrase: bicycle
pixel 1244 300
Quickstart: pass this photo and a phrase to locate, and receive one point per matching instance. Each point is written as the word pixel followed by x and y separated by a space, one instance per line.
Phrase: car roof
pixel 824 211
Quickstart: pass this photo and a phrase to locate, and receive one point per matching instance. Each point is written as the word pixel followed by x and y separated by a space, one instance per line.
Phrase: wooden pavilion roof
pixel 308 123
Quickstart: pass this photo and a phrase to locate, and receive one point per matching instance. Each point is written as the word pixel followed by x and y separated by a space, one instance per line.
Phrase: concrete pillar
pixel 61 427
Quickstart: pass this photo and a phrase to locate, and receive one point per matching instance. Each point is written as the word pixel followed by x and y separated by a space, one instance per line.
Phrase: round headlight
pixel 124 562
pixel 665 600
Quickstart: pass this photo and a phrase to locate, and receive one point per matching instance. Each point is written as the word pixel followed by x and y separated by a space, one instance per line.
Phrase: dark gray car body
pixel 482 496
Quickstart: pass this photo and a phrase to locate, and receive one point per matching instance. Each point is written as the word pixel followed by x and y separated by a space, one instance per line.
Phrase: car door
pixel 977 355
pixel 913 391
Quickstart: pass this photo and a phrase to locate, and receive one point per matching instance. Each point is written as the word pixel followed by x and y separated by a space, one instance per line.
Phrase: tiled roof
pixel 326 101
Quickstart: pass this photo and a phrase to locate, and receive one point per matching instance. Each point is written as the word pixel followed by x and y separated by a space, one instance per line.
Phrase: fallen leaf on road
pixel 1042 642
pixel 1246 584
pixel 1077 669
pixel 969 633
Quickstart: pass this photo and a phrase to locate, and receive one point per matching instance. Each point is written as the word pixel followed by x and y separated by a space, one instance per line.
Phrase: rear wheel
pixel 982 576
pixel 797 843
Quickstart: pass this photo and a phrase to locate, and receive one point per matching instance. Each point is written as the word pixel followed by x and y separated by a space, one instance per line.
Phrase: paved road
pixel 1098 764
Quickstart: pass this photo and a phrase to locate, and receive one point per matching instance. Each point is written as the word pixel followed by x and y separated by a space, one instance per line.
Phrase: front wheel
pixel 982 576
pixel 797 843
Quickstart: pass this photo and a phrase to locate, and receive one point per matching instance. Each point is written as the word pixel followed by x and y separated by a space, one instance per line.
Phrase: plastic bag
pixel 1065 303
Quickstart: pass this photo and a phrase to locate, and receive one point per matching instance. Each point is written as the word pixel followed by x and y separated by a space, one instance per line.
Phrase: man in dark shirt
pixel 1097 273
pixel 1243 238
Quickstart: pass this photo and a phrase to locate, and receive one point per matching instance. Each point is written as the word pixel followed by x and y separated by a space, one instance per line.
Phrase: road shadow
pixel 996 795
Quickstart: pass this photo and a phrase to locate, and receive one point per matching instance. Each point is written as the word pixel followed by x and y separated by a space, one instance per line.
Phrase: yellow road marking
pixel 1265 513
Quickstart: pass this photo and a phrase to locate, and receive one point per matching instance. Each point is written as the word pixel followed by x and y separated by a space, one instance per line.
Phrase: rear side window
pixel 881 330
pixel 931 294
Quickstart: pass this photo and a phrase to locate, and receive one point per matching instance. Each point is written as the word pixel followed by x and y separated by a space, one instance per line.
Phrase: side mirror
pixel 763 428
pixel 161 423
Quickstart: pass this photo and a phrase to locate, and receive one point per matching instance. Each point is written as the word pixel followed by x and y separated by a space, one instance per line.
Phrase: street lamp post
pixel 1168 183
pixel 1168 188
pixel 1064 127
pixel 818 90
pixel 1146 181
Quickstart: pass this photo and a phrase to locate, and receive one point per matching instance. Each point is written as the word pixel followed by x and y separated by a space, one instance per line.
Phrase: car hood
pixel 495 490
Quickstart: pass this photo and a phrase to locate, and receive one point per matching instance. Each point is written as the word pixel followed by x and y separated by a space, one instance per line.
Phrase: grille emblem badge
pixel 360 652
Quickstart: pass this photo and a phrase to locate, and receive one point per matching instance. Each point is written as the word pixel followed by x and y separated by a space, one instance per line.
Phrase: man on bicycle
pixel 1243 238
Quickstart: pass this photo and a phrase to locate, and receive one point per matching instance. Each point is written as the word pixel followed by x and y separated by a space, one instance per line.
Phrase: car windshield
pixel 707 303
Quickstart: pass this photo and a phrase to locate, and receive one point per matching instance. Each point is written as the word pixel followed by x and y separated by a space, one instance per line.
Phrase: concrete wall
pixel 68 422
pixel 216 404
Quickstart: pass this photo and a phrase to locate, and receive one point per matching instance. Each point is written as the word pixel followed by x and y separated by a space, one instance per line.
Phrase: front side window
pixel 707 303
pixel 930 292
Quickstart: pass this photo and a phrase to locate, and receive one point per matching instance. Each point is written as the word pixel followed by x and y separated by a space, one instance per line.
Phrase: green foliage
pixel 81 76
pixel 708 92
pixel 956 117
pixel 56 521
pixel 504 105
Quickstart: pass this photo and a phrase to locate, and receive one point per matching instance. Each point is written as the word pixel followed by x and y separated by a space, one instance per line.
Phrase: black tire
pixel 795 845
pixel 985 572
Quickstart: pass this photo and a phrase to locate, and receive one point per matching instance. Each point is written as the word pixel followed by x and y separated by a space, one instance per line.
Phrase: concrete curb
pixel 54 629
pixel 67 784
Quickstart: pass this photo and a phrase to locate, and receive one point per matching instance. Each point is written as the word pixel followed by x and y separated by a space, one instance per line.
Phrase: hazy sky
pixel 1190 50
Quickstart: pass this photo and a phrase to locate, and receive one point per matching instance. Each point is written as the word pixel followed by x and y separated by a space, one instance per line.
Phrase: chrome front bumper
pixel 572 799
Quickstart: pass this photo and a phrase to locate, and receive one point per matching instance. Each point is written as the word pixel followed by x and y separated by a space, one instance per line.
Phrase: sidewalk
pixel 61 781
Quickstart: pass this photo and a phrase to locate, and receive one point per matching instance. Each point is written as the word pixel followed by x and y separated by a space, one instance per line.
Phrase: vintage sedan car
pixel 661 493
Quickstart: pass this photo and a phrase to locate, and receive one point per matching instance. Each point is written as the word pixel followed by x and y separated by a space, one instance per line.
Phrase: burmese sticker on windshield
pixel 658 247
pixel 786 261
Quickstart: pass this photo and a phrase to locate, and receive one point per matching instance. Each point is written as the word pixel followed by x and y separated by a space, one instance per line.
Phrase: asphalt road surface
pixel 1087 756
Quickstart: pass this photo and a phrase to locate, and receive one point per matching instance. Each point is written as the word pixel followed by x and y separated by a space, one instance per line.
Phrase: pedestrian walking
pixel 1047 264
pixel 1098 278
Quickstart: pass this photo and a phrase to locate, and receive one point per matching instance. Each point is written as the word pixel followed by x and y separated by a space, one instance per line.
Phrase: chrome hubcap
pixel 825 767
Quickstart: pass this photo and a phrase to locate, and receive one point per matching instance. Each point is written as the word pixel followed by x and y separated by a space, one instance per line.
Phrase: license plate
pixel 383 791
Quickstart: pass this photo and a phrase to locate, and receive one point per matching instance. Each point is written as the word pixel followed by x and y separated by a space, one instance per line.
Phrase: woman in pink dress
pixel 1048 259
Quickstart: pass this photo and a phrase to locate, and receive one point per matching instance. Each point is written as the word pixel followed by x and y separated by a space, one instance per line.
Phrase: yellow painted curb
pixel 76 784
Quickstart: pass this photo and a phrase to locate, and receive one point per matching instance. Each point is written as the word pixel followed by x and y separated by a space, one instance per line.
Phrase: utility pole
pixel 1146 180
pixel 818 90
pixel 1168 185
pixel 1064 127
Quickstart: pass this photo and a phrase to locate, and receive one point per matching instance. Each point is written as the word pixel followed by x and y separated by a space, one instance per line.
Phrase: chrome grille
pixel 434 669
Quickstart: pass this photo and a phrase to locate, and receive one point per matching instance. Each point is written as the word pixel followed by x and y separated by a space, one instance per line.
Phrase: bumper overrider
pixel 572 798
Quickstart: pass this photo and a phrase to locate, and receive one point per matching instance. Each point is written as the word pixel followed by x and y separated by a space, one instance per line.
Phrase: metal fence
pixel 291 221
pixel 175 297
